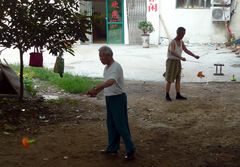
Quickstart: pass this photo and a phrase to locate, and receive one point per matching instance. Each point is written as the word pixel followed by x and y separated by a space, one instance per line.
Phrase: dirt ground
pixel 203 131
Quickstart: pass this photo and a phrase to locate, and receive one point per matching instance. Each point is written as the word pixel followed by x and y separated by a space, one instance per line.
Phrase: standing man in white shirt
pixel 173 63
pixel 116 104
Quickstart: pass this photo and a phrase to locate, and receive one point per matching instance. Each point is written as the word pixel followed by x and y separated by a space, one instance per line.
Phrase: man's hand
pixel 92 92
pixel 183 58
pixel 197 57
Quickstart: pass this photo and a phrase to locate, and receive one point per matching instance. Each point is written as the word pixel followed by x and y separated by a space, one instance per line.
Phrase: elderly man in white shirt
pixel 116 104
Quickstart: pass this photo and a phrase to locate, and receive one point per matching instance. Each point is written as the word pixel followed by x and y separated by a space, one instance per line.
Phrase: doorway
pixel 115 21
pixel 107 20
pixel 99 21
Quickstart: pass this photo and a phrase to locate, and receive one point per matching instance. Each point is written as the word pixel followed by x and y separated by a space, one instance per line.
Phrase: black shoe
pixel 130 156
pixel 107 152
pixel 180 97
pixel 168 98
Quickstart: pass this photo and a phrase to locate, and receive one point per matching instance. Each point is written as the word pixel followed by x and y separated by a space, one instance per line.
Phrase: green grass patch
pixel 69 83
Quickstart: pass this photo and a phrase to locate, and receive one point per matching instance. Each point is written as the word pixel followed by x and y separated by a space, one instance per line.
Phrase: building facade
pixel 206 21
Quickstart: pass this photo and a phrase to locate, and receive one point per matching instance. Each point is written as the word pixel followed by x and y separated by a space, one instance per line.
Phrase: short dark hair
pixel 106 50
pixel 180 29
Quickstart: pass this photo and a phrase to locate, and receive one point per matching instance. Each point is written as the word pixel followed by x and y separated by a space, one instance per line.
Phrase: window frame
pixel 189 4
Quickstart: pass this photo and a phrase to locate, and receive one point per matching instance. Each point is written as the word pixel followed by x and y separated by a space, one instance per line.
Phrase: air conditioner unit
pixel 221 13
pixel 220 2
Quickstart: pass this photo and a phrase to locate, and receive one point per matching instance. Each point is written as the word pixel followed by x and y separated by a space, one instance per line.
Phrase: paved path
pixel 147 64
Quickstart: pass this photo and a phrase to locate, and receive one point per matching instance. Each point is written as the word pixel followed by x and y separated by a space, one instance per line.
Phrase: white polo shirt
pixel 114 72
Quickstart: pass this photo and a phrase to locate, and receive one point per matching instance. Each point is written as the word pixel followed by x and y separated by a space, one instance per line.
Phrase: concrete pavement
pixel 146 64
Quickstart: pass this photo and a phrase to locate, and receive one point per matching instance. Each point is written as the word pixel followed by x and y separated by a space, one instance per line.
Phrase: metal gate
pixel 136 12
pixel 85 8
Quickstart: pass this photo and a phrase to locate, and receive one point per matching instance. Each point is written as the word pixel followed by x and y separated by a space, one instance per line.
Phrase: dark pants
pixel 117 123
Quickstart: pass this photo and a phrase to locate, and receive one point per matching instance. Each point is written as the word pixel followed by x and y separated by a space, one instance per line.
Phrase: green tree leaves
pixel 54 24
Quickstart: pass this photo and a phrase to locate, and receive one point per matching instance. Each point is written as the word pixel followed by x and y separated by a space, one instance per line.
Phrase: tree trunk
pixel 21 75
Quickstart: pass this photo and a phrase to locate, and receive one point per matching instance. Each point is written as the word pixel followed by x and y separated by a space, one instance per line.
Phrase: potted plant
pixel 146 27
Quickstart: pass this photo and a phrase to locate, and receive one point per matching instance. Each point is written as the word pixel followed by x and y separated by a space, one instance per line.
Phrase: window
pixel 198 4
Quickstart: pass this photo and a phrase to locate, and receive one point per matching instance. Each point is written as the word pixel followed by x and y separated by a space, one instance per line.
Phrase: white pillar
pixel 153 17
pixel 126 37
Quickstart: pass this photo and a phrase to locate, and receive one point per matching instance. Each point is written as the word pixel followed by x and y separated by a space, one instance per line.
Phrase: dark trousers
pixel 117 123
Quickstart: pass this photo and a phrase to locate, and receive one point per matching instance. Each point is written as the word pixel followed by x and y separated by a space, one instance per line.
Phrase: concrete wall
pixel 153 17
pixel 198 23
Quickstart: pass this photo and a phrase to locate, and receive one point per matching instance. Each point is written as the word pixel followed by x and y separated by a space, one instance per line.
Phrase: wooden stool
pixel 220 69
